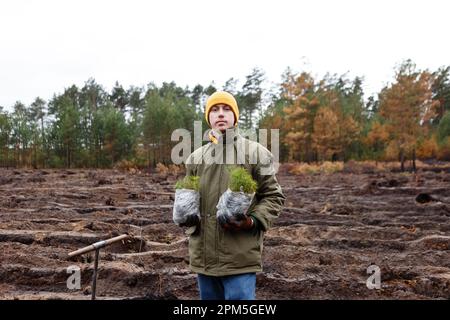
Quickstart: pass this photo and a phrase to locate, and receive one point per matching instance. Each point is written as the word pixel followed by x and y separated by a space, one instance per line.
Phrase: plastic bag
pixel 186 205
pixel 233 205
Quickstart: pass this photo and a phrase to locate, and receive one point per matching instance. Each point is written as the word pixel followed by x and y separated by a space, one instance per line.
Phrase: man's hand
pixel 232 224
pixel 191 220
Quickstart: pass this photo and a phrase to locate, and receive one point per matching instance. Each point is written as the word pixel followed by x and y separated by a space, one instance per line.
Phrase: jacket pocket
pixel 240 249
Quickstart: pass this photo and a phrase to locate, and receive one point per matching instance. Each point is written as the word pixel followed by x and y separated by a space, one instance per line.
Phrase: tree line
pixel 319 119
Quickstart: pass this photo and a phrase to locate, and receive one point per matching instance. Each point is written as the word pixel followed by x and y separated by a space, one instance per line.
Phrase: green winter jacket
pixel 213 250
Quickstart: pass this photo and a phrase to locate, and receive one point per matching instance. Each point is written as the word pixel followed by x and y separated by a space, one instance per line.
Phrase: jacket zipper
pixel 217 225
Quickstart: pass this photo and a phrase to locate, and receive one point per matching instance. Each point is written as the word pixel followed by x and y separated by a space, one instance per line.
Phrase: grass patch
pixel 324 167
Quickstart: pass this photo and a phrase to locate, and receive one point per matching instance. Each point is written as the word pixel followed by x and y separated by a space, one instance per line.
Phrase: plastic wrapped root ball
pixel 236 200
pixel 233 205
pixel 186 206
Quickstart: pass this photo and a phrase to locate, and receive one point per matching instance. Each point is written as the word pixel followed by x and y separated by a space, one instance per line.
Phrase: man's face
pixel 221 117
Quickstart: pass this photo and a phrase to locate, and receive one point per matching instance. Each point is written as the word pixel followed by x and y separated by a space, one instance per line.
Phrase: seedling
pixel 189 182
pixel 241 181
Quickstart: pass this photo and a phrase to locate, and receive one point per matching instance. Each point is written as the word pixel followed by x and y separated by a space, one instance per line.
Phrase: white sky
pixel 47 45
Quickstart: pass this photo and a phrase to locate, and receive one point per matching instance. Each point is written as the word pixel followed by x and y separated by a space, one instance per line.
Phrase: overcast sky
pixel 47 45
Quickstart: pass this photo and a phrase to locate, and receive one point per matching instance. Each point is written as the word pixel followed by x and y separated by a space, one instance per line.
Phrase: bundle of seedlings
pixel 186 207
pixel 235 201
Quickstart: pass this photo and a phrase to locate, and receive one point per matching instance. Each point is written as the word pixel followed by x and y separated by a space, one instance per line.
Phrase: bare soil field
pixel 333 227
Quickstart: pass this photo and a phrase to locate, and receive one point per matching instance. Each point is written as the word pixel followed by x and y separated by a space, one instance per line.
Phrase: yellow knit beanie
pixel 225 98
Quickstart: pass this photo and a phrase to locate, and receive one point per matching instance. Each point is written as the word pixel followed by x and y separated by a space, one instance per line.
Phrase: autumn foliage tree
pixel 318 124
pixel 377 139
pixel 408 108
pixel 326 133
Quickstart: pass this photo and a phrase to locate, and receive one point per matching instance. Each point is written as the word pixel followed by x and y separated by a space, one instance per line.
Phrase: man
pixel 227 255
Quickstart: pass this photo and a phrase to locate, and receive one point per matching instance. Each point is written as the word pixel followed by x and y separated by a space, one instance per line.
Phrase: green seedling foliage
pixel 241 180
pixel 189 182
